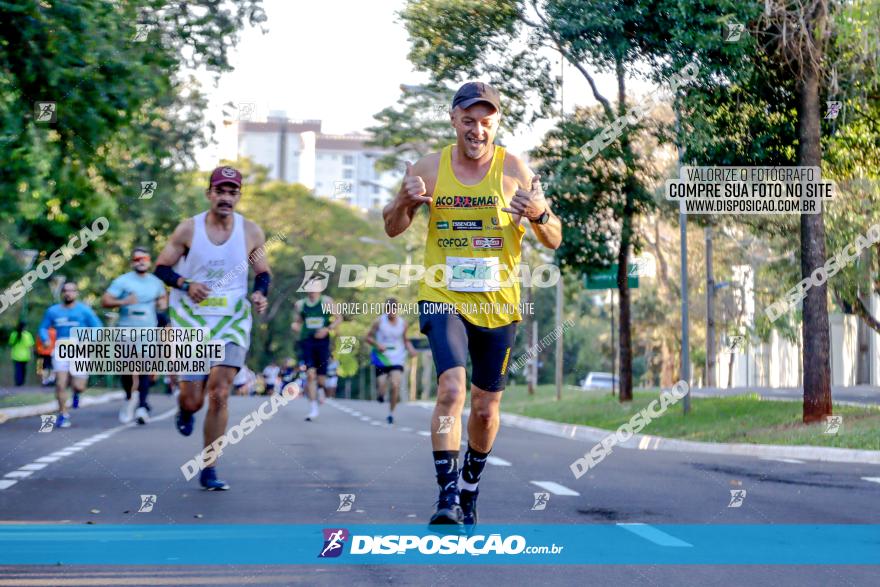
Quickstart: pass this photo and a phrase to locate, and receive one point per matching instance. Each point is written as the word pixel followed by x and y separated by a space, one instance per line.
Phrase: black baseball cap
pixel 473 92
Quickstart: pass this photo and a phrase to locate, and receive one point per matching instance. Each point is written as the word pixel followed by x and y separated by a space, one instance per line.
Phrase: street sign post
pixel 607 278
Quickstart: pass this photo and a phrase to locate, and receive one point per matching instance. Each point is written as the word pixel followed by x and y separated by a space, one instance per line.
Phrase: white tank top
pixel 390 334
pixel 223 268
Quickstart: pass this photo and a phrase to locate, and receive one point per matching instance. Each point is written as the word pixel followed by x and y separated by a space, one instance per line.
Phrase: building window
pixel 376 203
pixel 348 160
pixel 375 189
pixel 347 173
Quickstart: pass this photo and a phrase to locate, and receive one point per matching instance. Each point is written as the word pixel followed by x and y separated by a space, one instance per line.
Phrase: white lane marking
pixel 652 534
pixel 872 479
pixel 406 429
pixel 375 423
pixel 43 462
pixel 33 467
pixel 424 433
pixel 793 461
pixel 47 459
pixel 498 461
pixel 644 442
pixel 355 413
pixel 18 474
pixel 365 418
pixel 554 488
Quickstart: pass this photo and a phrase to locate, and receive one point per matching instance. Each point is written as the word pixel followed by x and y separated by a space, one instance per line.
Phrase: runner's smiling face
pixel 475 129
pixel 223 198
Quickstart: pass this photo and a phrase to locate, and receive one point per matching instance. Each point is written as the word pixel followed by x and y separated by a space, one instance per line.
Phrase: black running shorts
pixel 452 339
pixel 316 353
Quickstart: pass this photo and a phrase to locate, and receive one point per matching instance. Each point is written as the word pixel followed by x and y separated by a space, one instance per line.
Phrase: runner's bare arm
pixel 529 202
pixel 177 246
pixel 256 240
pixel 418 182
pixel 297 323
pixel 371 335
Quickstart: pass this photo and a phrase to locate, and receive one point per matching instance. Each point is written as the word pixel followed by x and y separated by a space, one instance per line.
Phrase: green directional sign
pixel 607 278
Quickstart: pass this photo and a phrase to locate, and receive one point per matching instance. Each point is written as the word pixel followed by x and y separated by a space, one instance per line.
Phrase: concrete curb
pixel 593 435
pixel 52 406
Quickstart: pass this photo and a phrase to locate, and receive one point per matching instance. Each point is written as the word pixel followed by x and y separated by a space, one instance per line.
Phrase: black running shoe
pixel 448 511
pixel 185 422
pixel 468 501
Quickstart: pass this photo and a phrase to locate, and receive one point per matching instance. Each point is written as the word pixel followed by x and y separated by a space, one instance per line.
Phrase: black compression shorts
pixel 452 338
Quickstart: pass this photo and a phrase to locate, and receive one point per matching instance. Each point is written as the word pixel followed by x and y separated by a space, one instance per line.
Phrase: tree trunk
pixel 667 364
pixel 816 353
pixel 710 312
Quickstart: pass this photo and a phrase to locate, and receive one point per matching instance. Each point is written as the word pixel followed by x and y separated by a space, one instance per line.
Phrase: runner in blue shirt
pixel 138 294
pixel 68 314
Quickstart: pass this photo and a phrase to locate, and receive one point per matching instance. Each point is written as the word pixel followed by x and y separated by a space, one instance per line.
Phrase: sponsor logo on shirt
pixel 452 243
pixel 466 202
pixel 442 225
pixel 467 225
pixel 487 242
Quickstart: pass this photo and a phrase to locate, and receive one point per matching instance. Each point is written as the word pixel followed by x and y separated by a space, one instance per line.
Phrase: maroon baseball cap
pixel 225 174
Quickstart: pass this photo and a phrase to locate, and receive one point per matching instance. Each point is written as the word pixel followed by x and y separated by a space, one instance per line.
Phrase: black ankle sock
pixel 474 463
pixel 446 465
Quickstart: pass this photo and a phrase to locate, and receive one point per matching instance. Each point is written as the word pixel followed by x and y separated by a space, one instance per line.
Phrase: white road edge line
pixel 18 474
pixel 555 488
pixel 498 462
pixel 43 462
pixel 871 479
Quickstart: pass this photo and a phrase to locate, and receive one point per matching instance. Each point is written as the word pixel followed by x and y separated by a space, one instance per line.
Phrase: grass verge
pixel 745 419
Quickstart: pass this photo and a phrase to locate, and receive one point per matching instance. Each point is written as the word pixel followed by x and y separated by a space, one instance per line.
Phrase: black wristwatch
pixel 184 287
pixel 542 219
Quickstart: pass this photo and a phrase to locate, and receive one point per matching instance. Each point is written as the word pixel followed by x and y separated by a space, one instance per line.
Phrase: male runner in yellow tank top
pixel 469 299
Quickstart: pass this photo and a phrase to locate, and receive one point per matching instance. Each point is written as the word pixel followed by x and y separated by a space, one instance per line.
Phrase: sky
pixel 340 61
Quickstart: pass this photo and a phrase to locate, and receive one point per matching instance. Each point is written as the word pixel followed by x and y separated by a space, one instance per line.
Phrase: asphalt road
pixel 291 472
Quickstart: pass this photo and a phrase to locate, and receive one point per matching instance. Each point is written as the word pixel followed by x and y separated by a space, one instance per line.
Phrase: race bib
pixel 314 322
pixel 472 274
pixel 213 306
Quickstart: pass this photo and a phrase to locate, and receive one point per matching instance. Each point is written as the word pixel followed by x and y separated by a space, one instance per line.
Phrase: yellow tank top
pixel 473 249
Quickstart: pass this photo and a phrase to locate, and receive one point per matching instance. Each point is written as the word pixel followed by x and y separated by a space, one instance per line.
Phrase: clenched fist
pixel 413 188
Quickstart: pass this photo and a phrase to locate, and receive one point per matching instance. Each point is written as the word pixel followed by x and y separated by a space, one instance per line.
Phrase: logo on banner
pixel 334 540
